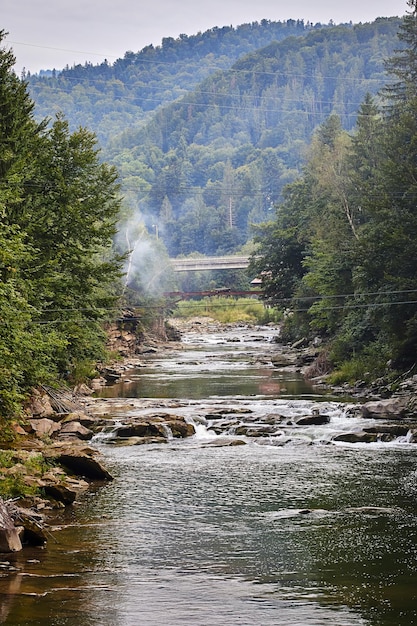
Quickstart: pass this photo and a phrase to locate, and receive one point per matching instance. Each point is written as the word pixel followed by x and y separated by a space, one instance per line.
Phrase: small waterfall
pixel 166 431
pixel 107 434
pixel 201 428
pixel 408 438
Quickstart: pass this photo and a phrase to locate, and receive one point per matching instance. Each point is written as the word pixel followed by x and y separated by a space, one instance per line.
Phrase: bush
pixel 228 310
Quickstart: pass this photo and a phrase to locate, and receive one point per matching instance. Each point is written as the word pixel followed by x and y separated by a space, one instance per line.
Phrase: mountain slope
pixel 109 97
pixel 207 166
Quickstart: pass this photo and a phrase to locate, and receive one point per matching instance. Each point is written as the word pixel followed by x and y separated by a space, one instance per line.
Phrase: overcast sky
pixel 46 34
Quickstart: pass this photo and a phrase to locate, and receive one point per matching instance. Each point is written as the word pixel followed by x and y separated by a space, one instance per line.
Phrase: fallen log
pixel 9 534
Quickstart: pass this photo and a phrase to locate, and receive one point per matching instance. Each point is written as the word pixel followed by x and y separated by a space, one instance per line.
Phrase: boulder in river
pixel 356 437
pixel 312 420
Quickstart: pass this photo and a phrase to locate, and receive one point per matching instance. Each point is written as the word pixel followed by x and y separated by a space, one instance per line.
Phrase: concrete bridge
pixel 210 263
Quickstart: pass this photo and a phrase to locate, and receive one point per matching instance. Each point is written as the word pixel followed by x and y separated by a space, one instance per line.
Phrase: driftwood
pixel 62 400
pixel 9 534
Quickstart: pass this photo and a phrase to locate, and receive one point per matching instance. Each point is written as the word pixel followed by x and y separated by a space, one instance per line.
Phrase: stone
pixel 180 429
pixel 83 463
pixel 312 420
pixel 44 427
pixel 138 429
pixel 39 404
pixel 394 408
pixel 61 492
pixel 280 360
pixel 358 437
pixel 32 524
pixel 224 442
pixel 75 429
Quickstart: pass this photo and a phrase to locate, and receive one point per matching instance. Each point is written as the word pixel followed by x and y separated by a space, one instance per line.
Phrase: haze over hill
pixel 207 130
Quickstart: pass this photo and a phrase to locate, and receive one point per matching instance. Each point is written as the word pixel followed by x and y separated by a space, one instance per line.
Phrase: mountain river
pixel 289 528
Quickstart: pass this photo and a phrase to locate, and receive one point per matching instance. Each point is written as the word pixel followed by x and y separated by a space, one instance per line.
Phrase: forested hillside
pixel 202 170
pixel 209 165
pixel 113 96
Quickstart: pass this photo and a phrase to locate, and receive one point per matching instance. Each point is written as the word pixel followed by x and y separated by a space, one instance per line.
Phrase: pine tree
pixel 58 210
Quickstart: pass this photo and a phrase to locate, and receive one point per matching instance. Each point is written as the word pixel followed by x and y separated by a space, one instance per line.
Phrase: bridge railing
pixel 210 263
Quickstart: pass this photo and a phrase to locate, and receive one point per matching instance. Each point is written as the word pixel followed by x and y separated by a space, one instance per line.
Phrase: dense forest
pixel 109 98
pixel 206 167
pixel 59 205
pixel 341 252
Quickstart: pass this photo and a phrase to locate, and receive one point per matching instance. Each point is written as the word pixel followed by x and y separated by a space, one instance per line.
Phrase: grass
pixel 16 468
pixel 227 310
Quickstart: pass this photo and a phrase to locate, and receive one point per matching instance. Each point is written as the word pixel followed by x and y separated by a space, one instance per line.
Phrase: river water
pixel 291 528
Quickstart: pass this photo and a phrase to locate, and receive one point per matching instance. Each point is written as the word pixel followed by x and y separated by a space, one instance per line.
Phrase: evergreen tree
pixel 58 210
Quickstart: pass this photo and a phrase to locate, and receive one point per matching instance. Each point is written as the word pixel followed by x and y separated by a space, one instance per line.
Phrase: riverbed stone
pixel 39 404
pixel 136 441
pixel 259 431
pixel 44 427
pixel 180 429
pixel 79 460
pixel 281 360
pixel 138 429
pixel 76 430
pixel 312 420
pixel 224 442
pixel 394 408
pixel 356 437
pixel 61 492
pixel 31 523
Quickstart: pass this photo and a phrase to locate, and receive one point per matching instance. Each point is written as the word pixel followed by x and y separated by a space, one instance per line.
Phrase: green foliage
pixel 227 310
pixel 108 97
pixel 369 365
pixel 58 210
pixel 216 125
pixel 356 218
pixel 15 467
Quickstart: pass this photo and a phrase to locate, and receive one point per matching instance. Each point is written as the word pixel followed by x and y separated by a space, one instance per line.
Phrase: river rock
pixel 312 420
pixel 61 492
pixel 394 408
pixel 281 360
pixel 138 429
pixel 80 460
pixel 396 430
pixel 39 404
pixel 356 437
pixel 136 441
pixel 180 428
pixel 260 431
pixel 44 427
pixel 224 442
pixel 9 534
pixel 76 430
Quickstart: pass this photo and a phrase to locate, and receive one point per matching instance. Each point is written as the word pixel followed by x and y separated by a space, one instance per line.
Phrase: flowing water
pixel 291 528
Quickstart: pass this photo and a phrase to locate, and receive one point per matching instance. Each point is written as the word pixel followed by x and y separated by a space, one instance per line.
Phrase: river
pixel 292 528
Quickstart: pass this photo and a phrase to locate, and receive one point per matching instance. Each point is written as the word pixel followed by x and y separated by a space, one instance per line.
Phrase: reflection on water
pixel 194 534
pixel 214 365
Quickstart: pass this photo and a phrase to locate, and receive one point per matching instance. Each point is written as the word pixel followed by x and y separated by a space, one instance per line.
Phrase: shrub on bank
pixel 228 310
